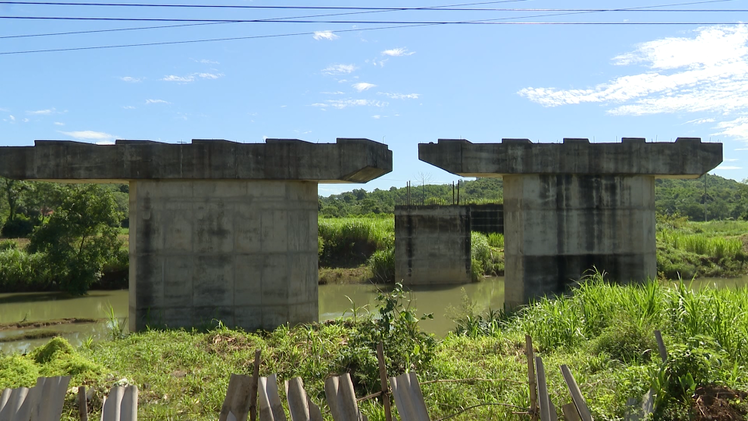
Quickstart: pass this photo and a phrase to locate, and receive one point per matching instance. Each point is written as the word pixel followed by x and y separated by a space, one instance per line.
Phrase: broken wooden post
pixel 253 387
pixel 121 404
pixel 82 403
pixel 383 382
pixel 409 398
pixel 576 394
pixel 270 403
pixel 531 376
pixel 661 345
pixel 543 398
pixel 341 398
pixel 300 406
pixel 236 404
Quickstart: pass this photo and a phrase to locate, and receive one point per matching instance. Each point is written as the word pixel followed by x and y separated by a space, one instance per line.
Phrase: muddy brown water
pixel 334 301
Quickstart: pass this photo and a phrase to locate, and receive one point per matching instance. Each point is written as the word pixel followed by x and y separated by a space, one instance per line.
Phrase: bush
pixel 8 245
pixel 18 227
pixel 21 271
pixel 382 265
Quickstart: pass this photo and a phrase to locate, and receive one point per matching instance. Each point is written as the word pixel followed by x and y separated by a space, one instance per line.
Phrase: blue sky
pixel 402 85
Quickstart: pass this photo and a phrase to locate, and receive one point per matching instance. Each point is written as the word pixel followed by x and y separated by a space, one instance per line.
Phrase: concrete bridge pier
pixel 576 205
pixel 219 230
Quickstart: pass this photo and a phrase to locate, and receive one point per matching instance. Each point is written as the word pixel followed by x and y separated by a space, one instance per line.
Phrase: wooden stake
pixel 576 394
pixel 531 377
pixel 82 403
pixel 661 346
pixel 383 381
pixel 545 400
pixel 253 387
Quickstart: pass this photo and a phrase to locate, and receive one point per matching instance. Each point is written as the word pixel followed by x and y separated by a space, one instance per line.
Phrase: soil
pixel 714 402
pixel 45 323
pixel 343 275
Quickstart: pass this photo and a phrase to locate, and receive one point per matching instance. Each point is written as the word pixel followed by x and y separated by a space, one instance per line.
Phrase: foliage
pixel 382 265
pixel 21 271
pixel 18 227
pixel 79 237
pixel 406 346
pixel 486 259
pixel 351 241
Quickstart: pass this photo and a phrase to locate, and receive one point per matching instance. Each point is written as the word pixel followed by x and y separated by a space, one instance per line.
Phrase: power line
pixel 353 22
pixel 367 8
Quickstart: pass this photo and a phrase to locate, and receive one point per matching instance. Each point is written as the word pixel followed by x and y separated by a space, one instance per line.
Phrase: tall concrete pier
pixel 218 229
pixel 574 205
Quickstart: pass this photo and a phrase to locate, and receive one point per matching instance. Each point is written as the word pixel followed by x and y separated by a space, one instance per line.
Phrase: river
pixel 334 301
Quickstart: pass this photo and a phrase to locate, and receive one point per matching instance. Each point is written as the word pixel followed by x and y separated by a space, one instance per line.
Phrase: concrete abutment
pixel 219 230
pixel 576 205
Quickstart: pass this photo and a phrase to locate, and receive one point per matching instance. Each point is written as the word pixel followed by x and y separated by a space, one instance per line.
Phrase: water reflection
pixel 334 301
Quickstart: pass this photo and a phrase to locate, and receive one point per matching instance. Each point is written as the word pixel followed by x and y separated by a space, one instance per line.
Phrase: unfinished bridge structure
pixel 219 230
pixel 572 206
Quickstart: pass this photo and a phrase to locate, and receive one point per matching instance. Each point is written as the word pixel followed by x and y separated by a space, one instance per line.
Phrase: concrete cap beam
pixel 346 161
pixel 684 158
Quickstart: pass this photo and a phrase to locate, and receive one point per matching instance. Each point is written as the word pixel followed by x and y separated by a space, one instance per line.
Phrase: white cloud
pixel 398 52
pixel 206 61
pixel 90 135
pixel 363 86
pixel 180 79
pixel 400 96
pixel 191 77
pixel 700 121
pixel 327 35
pixel 731 160
pixel 131 79
pixel 704 73
pixel 156 101
pixel 12 118
pixel 130 107
pixel 42 112
pixel 728 167
pixel 58 123
pixel 741 149
pixel 339 69
pixel 376 117
pixel 333 93
pixel 25 120
pixel 345 103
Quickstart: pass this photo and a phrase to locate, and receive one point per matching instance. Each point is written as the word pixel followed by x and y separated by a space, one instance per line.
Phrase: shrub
pixel 18 227
pixel 496 240
pixel 627 342
pixel 21 271
pixel 8 245
pixel 382 265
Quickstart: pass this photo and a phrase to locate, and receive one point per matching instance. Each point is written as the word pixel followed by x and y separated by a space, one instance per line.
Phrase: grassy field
pixel 602 332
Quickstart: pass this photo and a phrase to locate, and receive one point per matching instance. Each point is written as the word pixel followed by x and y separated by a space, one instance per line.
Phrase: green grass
pixel 351 241
pixel 602 332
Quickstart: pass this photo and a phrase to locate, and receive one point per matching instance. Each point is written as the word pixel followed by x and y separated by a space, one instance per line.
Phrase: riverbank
pixel 602 332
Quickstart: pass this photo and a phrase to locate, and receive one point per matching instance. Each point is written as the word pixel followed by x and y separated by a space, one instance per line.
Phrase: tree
pixel 13 190
pixel 79 237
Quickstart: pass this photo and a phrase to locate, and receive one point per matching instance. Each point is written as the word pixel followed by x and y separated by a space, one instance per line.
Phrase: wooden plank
pixel 530 353
pixel 4 398
pixel 552 410
pixel 299 404
pixel 409 398
pixel 383 382
pixel 48 398
pixel 576 394
pixel 661 345
pixel 341 399
pixel 544 400
pixel 570 412
pixel 236 402
pixel 82 403
pixel 253 387
pixel 16 407
pixel 270 403
pixel 121 404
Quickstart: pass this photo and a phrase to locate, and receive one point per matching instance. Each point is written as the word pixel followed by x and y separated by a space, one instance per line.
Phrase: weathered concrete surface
pixel 571 206
pixel 432 244
pixel 487 218
pixel 348 160
pixel 218 230
pixel 686 158
pixel 243 252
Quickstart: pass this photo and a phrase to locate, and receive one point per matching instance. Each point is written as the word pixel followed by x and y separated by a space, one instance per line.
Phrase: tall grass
pixel 702 244
pixel 21 271
pixel 351 241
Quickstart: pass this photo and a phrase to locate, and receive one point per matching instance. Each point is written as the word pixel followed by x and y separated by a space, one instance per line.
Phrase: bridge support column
pixel 557 227
pixel 243 252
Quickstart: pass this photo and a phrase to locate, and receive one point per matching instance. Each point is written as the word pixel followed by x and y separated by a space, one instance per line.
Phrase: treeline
pixel 706 198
